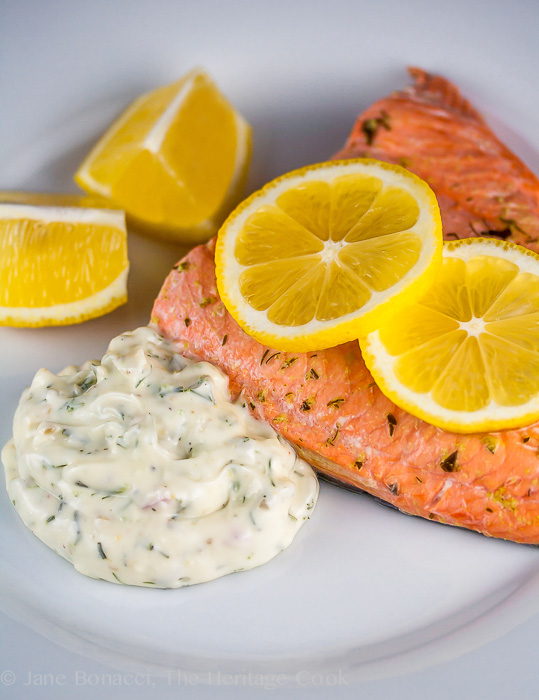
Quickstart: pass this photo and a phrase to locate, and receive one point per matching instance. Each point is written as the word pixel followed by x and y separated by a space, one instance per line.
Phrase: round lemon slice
pixel 321 255
pixel 59 264
pixel 466 356
pixel 176 161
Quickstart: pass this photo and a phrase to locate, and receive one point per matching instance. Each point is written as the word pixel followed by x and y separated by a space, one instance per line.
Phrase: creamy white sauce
pixel 140 470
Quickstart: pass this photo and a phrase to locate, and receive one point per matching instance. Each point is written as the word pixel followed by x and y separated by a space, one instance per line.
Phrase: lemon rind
pixel 114 218
pixel 243 154
pixel 467 248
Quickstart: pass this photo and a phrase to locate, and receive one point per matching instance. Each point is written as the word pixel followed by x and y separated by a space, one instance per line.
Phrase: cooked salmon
pixel 326 402
pixel 429 128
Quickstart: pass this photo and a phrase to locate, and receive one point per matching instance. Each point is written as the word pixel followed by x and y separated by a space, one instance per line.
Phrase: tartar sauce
pixel 140 470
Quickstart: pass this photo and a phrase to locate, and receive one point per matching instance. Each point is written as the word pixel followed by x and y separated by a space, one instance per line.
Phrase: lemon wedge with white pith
pixel 176 160
pixel 59 264
pixel 321 255
pixel 466 356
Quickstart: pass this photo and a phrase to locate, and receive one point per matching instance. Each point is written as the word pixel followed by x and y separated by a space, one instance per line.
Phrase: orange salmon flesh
pixel 325 402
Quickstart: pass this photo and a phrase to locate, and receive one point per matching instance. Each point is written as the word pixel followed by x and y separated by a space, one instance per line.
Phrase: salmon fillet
pixel 326 402
pixel 429 128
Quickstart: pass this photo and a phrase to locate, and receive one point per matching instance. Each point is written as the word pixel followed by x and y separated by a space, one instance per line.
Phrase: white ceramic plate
pixel 364 591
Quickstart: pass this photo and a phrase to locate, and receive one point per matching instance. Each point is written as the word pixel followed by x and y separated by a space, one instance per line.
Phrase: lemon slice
pixel 321 255
pixel 176 161
pixel 466 356
pixel 59 264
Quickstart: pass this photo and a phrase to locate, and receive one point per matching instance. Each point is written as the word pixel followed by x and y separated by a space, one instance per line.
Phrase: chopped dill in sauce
pixel 155 447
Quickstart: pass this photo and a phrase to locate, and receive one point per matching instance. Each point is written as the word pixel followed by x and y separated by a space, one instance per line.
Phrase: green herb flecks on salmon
pixel 429 128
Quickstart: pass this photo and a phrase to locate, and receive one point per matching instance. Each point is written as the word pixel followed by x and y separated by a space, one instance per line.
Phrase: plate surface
pixel 363 590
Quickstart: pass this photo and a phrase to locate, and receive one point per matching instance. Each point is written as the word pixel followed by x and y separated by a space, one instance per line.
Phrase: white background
pixel 300 72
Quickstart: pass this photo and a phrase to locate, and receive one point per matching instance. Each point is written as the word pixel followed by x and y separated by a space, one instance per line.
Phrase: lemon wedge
pixel 176 161
pixel 321 255
pixel 53 199
pixel 59 264
pixel 466 356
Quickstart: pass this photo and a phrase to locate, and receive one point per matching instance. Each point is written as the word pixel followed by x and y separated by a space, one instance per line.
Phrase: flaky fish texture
pixel 326 402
